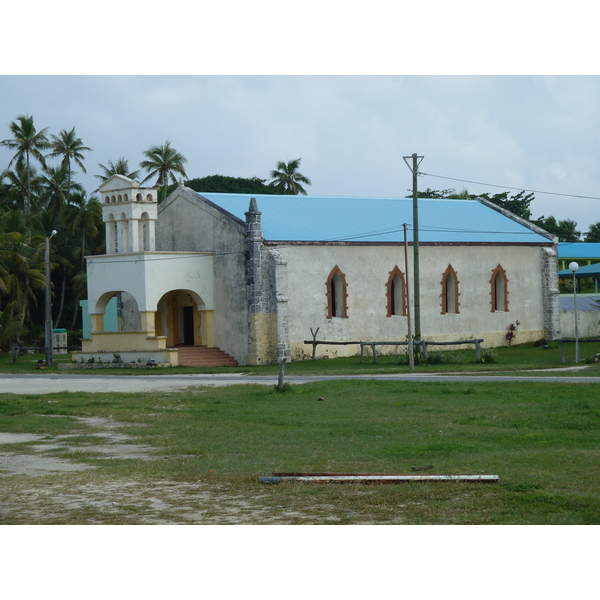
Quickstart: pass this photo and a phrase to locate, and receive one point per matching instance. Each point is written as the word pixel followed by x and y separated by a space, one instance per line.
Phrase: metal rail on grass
pixel 372 478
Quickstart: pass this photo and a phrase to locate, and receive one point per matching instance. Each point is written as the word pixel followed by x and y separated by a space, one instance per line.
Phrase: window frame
pixel 336 297
pixel 444 295
pixel 499 271
pixel 392 308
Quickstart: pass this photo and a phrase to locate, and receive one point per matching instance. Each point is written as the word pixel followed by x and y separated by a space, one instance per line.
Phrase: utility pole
pixel 411 350
pixel 414 168
pixel 48 304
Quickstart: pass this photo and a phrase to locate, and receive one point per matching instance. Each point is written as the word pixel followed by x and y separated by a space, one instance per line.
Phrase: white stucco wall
pixel 588 323
pixel 187 223
pixel 148 276
pixel 367 270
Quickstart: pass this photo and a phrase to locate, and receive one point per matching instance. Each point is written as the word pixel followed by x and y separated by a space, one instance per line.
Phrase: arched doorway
pixel 183 319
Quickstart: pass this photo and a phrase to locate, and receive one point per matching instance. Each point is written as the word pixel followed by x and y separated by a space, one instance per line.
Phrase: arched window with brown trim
pixel 499 290
pixel 396 293
pixel 337 294
pixel 450 292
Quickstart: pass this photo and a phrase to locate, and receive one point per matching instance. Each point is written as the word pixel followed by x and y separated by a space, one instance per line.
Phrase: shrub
pixel 511 332
pixel 488 356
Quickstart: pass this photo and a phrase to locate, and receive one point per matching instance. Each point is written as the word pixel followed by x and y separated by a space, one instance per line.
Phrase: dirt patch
pixel 110 444
pixel 27 497
pixel 122 501
pixel 25 464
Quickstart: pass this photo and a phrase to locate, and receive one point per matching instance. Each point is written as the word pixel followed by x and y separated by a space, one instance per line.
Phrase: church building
pixel 250 276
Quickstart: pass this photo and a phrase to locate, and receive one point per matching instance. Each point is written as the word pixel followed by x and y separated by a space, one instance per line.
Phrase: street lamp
pixel 573 268
pixel 48 328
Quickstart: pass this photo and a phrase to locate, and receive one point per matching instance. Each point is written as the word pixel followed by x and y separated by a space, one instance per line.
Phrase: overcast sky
pixel 537 133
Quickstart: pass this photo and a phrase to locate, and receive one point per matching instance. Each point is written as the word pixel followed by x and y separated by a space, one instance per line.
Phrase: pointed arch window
pixel 450 294
pixel 499 290
pixel 396 293
pixel 337 294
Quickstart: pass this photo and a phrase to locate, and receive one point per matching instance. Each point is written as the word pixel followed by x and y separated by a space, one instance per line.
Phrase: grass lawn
pixel 208 447
pixel 505 359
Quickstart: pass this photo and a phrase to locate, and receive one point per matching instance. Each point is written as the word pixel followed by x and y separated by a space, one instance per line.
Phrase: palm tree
pixel 28 142
pixel 463 195
pixel 55 183
pixel 23 264
pixel 163 162
pixel 286 178
pixel 70 148
pixel 85 215
pixel 121 167
pixel 568 231
pixel 7 256
pixel 593 235
pixel 18 182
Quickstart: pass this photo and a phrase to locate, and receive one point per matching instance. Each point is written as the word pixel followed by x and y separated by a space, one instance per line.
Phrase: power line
pixel 507 187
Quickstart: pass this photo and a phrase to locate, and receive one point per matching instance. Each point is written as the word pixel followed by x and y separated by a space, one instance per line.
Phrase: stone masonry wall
pixel 551 294
pixel 266 279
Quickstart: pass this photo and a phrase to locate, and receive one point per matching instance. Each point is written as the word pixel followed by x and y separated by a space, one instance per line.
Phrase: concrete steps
pixel 203 356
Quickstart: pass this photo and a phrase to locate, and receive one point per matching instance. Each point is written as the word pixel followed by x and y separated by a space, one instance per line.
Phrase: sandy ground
pixel 25 497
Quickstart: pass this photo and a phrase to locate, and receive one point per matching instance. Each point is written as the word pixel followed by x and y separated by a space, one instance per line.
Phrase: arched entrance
pixel 124 315
pixel 182 317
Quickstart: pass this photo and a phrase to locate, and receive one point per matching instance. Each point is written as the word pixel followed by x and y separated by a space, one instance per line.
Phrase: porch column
pixel 148 322
pixel 97 322
pixel 207 327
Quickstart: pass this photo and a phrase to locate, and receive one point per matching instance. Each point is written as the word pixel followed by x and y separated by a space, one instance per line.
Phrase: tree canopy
pixel 287 180
pixel 230 185
pixel 565 230
pixel 593 235
pixel 33 203
pixel 120 167
pixel 163 162
pixel 28 143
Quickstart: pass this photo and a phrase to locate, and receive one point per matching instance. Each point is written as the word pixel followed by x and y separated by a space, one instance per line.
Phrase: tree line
pixel 39 194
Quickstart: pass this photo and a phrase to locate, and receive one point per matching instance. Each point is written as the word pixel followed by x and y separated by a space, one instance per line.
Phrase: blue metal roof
pixel 376 220
pixel 578 250
pixel 583 303
pixel 585 271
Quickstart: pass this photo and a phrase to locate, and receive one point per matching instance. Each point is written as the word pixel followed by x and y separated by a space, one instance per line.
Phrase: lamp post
pixel 573 268
pixel 48 328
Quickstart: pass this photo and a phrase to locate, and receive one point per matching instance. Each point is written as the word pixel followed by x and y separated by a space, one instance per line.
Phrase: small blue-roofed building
pixel 254 275
pixel 583 253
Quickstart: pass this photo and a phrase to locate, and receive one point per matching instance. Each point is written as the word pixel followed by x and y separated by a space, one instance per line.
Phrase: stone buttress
pixel 551 298
pixel 266 279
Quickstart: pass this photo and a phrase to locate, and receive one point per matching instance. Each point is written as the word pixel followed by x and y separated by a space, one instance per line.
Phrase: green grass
pixel 518 357
pixel 541 439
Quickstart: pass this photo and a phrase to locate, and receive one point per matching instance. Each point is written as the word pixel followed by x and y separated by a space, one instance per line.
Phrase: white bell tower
pixel 129 213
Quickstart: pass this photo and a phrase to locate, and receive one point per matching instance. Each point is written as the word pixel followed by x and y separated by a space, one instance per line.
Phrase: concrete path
pixel 52 383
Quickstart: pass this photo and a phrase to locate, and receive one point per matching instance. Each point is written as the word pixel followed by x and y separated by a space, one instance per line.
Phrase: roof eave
pixel 520 220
